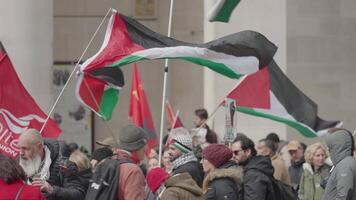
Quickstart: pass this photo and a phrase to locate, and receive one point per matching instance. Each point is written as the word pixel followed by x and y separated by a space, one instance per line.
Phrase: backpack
pixel 283 191
pixel 104 182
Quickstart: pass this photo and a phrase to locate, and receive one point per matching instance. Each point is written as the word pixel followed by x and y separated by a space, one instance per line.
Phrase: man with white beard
pixel 47 169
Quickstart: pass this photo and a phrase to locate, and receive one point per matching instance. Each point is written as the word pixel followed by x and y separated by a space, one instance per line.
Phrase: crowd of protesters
pixel 194 166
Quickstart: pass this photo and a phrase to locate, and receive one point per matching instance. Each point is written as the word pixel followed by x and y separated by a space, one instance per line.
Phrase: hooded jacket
pixel 258 172
pixel 63 175
pixel 181 187
pixel 342 181
pixel 309 187
pixel 224 183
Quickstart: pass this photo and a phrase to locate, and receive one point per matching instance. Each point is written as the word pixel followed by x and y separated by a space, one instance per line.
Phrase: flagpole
pixel 164 88
pixel 175 119
pixel 74 70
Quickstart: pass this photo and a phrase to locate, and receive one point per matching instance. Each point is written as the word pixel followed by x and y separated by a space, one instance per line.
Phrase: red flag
pixel 173 120
pixel 139 110
pixel 18 110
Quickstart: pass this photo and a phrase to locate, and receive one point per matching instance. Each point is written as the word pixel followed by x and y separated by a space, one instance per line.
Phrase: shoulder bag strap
pixel 19 192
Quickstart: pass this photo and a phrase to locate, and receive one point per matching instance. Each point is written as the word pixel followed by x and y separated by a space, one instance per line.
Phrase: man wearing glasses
pixel 257 170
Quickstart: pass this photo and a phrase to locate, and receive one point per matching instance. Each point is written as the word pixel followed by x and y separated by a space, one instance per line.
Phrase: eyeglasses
pixel 236 152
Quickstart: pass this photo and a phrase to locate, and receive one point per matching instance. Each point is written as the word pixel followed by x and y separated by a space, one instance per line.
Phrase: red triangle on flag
pixel 253 91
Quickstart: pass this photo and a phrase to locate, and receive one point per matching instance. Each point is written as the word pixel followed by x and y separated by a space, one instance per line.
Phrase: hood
pixel 234 173
pixel 339 144
pixel 185 182
pixel 307 166
pixel 53 147
pixel 260 163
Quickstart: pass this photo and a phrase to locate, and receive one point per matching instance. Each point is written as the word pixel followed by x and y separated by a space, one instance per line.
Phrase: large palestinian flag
pixel 270 94
pixel 127 41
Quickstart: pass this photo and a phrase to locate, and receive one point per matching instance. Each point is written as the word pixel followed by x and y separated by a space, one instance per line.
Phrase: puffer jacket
pixel 181 187
pixel 257 184
pixel 63 176
pixel 224 183
pixel 342 180
pixel 309 186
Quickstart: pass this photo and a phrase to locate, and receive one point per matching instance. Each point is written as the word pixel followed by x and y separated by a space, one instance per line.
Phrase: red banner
pixel 18 110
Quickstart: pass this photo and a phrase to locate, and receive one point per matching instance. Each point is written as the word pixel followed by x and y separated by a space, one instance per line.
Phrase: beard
pixel 31 166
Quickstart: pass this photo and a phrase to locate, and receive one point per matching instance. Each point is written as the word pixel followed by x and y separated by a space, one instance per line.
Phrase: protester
pixel 166 162
pixel 47 169
pixel 296 152
pixel 132 140
pixel 182 156
pixel 199 118
pixel 223 179
pixel 99 155
pixel 12 178
pixel 176 187
pixel 342 181
pixel 268 148
pixel 152 163
pixel 274 137
pixel 315 170
pixel 83 167
pixel 73 147
pixel 108 142
pixel 257 170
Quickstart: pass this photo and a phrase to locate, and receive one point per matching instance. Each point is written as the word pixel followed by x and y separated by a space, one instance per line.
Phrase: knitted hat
pixel 156 177
pixel 132 138
pixel 101 154
pixel 182 142
pixel 217 154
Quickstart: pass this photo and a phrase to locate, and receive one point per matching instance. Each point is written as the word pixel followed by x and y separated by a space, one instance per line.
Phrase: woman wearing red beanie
pixel 177 187
pixel 223 178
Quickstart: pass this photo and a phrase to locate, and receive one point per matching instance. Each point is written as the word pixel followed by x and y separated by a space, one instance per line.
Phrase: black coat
pixel 84 177
pixel 63 176
pixel 258 172
pixel 194 169
pixel 224 183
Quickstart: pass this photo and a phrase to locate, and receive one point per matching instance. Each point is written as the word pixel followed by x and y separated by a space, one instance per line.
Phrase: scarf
pixel 185 158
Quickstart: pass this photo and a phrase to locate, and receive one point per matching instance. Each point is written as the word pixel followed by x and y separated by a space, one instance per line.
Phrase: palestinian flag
pixel 222 9
pixel 270 94
pixel 127 41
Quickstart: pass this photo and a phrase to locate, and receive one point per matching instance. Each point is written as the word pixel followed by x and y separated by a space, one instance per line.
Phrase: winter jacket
pixel 63 176
pixel 84 177
pixel 181 187
pixel 257 185
pixel 9 191
pixel 131 179
pixel 280 169
pixel 342 180
pixel 194 169
pixel 309 186
pixel 295 172
pixel 224 183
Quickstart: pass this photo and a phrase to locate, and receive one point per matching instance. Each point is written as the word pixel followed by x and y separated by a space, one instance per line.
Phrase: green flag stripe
pixel 108 103
pixel 223 15
pixel 217 67
pixel 303 129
